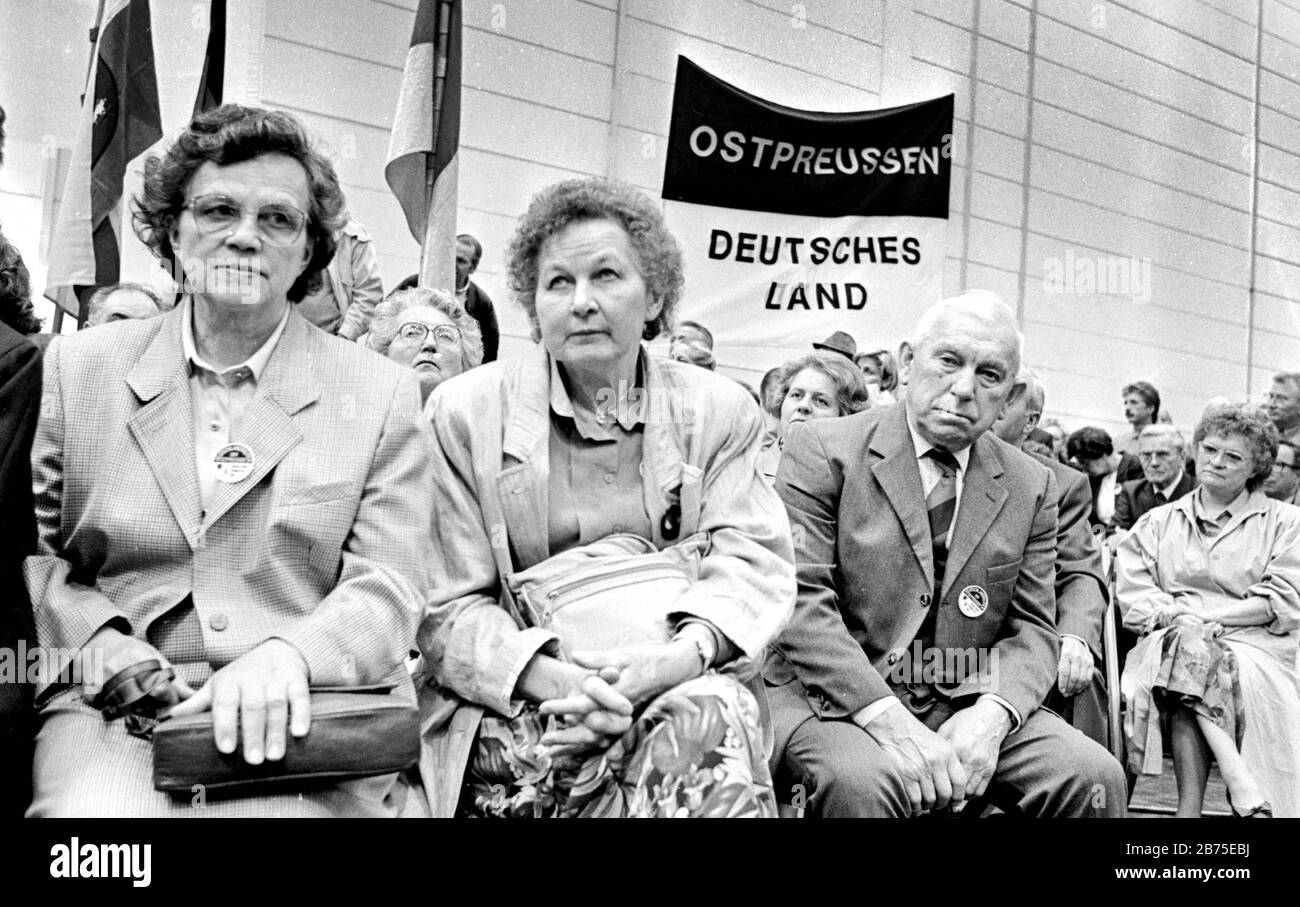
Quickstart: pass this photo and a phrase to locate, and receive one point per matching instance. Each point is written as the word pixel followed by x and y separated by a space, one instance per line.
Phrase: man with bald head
pixel 1162 453
pixel 923 641
pixel 1079 694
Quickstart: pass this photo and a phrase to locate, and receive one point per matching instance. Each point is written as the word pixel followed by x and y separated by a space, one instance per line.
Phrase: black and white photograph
pixel 651 409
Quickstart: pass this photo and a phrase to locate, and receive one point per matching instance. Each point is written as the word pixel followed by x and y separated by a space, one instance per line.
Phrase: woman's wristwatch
pixel 703 641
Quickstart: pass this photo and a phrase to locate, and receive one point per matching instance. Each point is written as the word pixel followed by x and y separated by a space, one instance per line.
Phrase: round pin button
pixel 218 621
pixel 973 601
pixel 234 463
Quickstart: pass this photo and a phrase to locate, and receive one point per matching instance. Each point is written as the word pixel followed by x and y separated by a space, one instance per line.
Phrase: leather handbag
pixel 617 591
pixel 356 732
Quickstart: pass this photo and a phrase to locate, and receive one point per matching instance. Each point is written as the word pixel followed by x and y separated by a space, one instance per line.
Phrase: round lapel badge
pixel 234 463
pixel 973 601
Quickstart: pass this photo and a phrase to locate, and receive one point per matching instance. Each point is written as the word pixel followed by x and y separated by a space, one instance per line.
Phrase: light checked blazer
pixel 326 544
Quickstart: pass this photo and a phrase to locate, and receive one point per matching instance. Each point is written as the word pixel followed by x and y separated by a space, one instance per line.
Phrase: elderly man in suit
pixel 1079 694
pixel 1162 453
pixel 224 491
pixel 923 640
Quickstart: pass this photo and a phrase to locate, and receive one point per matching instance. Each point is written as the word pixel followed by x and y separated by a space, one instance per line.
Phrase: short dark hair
pixel 1290 379
pixel 1244 420
pixel 1147 391
pixel 1089 443
pixel 474 244
pixel 596 198
pixel 230 134
pixel 850 387
pixel 16 291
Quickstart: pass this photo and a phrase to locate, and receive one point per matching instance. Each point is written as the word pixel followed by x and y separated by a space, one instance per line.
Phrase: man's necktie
pixel 941 503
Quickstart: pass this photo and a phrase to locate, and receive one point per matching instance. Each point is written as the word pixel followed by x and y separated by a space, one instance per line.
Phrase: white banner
pixel 796 224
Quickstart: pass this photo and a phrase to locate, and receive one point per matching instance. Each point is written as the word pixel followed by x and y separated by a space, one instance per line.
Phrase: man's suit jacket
pixel 852 488
pixel 1080 585
pixel 325 544
pixel 479 307
pixel 1139 496
pixel 20 397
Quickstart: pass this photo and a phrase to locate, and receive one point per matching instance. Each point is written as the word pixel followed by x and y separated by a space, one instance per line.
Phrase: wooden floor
pixel 1157 796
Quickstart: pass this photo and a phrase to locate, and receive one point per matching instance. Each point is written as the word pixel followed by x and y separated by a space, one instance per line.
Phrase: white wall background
pixel 1163 131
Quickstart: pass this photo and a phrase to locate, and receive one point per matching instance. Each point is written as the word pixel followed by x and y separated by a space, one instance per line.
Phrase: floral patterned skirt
pixel 1199 672
pixel 694 751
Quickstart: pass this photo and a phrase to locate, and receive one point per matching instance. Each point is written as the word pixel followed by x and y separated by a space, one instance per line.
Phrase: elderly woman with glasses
pixel 225 495
pixel 585 445
pixel 427 331
pixel 1212 582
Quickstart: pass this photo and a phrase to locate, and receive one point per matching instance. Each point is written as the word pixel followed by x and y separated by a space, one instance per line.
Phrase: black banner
pixel 730 149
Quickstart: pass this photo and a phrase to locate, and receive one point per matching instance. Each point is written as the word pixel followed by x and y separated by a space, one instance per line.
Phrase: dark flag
pixel 214 61
pixel 120 120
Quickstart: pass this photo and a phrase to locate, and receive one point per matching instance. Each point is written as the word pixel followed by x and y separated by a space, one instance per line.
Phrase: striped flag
pixel 422 161
pixel 120 120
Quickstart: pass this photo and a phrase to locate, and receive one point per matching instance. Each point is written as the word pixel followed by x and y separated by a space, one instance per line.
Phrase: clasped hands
pixel 943 768
pixel 1182 615
pixel 254 699
pixel 600 690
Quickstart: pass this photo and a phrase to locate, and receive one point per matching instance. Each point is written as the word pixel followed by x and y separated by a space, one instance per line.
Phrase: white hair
pixel 1035 393
pixel 1161 430
pixel 983 305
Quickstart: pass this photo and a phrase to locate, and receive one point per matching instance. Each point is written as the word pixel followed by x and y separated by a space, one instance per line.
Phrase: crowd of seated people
pixel 612 582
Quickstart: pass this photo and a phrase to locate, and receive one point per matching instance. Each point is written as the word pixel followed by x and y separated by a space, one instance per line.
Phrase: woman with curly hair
pixel 816 386
pixel 427 331
pixel 1212 581
pixel 590 444
pixel 225 495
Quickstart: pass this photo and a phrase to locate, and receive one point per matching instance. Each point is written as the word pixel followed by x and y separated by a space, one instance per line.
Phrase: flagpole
pixel 57 326
pixel 439 82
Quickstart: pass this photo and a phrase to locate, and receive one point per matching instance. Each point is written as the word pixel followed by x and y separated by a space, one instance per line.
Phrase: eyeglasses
pixel 416 331
pixel 278 224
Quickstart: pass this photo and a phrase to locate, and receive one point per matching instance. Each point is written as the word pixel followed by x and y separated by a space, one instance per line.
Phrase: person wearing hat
pixel 840 342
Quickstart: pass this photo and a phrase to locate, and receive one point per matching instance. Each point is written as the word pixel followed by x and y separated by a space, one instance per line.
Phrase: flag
pixel 120 119
pixel 214 61
pixel 422 160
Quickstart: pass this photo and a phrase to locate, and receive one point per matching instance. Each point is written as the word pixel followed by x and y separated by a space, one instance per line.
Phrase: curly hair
pixel 384 323
pixel 593 198
pixel 1225 420
pixel 850 386
pixel 230 134
pixel 16 291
